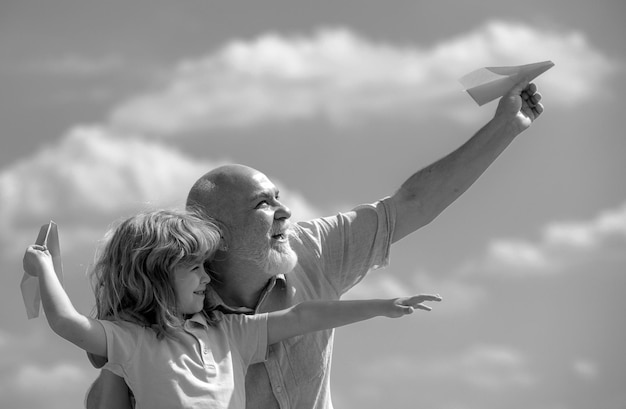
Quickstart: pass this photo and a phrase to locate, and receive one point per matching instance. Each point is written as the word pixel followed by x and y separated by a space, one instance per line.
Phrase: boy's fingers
pixel 423 307
pixel 430 297
pixel 416 299
pixel 37 247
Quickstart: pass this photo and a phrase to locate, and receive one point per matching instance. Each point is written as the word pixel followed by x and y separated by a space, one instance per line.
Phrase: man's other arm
pixel 108 391
pixel 428 192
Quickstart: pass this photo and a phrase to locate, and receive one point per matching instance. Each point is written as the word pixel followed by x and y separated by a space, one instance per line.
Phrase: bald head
pixel 222 189
pixel 254 223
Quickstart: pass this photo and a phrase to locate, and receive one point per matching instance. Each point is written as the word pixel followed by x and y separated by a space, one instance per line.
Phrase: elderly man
pixel 267 263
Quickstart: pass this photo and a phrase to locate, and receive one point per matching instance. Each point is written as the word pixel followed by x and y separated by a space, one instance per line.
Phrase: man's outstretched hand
pixel 521 106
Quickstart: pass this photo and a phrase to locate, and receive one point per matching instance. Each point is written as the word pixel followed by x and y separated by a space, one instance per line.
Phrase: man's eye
pixel 262 203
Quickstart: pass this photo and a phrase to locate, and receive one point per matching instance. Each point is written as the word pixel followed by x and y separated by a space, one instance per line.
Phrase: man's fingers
pixel 532 97
pixel 531 106
pixel 521 86
pixel 536 98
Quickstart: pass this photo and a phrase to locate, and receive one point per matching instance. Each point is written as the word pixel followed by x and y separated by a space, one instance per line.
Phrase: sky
pixel 110 108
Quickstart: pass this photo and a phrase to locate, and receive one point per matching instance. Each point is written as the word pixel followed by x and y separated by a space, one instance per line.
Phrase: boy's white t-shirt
pixel 203 366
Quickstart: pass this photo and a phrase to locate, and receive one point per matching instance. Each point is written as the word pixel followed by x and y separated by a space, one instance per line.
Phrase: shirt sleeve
pixel 247 333
pixel 123 339
pixel 348 245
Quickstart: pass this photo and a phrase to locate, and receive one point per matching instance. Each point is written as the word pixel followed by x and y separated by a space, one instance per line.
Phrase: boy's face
pixel 190 282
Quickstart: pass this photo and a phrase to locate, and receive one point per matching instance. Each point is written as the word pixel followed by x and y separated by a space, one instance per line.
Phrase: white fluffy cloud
pixel 560 245
pixel 91 171
pixel 91 174
pixel 94 173
pixel 343 77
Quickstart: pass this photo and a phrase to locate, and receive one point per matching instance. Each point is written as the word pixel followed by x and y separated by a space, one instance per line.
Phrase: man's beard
pixel 280 262
pixel 269 259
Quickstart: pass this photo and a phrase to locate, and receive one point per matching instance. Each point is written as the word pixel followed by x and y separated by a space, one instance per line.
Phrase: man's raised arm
pixel 424 195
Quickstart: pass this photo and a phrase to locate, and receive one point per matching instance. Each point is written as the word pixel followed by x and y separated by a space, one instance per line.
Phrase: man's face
pixel 259 226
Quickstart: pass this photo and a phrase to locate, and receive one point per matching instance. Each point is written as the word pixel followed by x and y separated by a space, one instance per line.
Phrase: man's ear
pixel 223 245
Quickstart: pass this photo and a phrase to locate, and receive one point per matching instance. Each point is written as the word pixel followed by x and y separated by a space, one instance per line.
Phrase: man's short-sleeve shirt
pixel 334 254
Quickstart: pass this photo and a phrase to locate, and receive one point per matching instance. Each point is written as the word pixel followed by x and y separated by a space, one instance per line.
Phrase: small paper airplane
pixel 48 236
pixel 486 84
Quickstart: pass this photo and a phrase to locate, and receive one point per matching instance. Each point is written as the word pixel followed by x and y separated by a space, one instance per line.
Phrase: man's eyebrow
pixel 264 194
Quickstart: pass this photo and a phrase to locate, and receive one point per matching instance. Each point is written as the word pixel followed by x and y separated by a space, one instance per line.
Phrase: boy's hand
pixel 406 305
pixel 35 259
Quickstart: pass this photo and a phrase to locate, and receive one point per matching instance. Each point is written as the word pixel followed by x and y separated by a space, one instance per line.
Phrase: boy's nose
pixel 205 278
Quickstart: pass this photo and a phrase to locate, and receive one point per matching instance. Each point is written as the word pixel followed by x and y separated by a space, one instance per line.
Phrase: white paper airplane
pixel 48 236
pixel 486 84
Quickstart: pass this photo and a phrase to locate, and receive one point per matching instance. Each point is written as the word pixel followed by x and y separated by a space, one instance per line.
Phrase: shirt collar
pixel 277 280
pixel 214 300
pixel 197 318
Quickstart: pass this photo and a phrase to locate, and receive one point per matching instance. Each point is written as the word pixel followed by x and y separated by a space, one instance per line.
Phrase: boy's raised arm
pixel 310 316
pixel 84 332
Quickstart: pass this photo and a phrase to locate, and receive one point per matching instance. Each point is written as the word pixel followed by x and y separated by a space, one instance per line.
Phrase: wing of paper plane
pixel 486 84
pixel 49 237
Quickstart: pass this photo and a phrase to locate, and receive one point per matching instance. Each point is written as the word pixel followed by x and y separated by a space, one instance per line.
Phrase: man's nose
pixel 282 212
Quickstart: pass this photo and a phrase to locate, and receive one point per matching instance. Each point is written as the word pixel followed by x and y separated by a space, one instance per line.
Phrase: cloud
pixel 379 284
pixel 585 369
pixel 581 71
pixel 481 367
pixel 94 175
pixel 92 169
pixel 459 296
pixel 301 209
pixel 343 77
pixel 588 234
pixel 85 181
pixel 561 244
pixel 57 386
pixel 492 367
pixel 50 379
